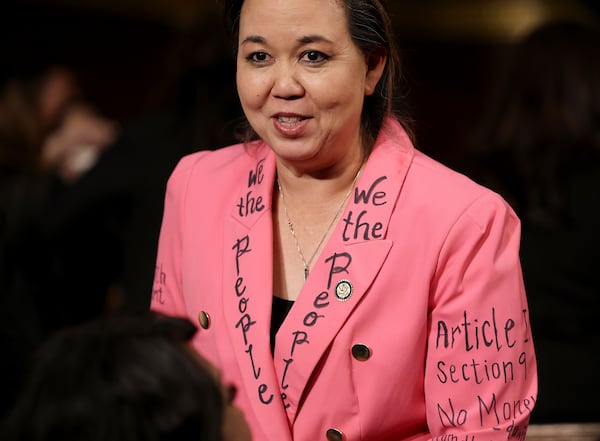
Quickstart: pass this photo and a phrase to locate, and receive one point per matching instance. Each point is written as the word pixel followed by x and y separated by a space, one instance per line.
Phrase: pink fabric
pixel 437 297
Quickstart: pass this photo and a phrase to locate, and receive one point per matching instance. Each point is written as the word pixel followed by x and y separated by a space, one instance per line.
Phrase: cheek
pixel 242 89
pixel 345 95
pixel 251 89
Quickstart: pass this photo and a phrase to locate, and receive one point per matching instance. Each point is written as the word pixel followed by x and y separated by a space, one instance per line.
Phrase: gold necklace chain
pixel 306 263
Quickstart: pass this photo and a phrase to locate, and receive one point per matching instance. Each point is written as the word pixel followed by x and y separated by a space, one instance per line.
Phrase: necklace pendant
pixel 325 234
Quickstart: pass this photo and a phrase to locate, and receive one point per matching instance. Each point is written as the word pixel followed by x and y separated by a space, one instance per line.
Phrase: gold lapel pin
pixel 343 290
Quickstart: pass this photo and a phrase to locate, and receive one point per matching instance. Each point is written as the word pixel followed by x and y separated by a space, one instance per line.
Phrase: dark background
pixel 130 53
pixel 143 62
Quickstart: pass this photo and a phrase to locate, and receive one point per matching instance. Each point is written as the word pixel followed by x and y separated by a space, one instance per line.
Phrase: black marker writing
pixel 476 372
pixel 368 232
pixel 503 412
pixel 160 280
pixel 337 269
pixel 256 176
pixel 255 371
pixel 249 204
pixel 473 333
pixel 449 417
pixel 241 247
pixel 359 227
pixel 300 337
pixel 526 321
pixel 453 437
pixel 366 197
pixel 262 390
pixel 245 322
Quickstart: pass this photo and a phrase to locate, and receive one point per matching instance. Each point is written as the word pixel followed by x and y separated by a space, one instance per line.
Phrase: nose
pixel 286 83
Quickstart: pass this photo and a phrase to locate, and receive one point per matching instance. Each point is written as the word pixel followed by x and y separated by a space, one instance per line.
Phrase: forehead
pixel 302 16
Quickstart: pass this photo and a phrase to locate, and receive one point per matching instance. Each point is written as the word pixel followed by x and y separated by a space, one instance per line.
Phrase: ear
pixel 375 64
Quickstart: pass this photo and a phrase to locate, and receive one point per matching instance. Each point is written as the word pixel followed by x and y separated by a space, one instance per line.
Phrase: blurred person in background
pixel 125 378
pixel 81 196
pixel 197 113
pixel 539 146
pixel 50 241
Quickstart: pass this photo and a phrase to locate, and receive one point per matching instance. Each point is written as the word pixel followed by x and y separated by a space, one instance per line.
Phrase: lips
pixel 290 125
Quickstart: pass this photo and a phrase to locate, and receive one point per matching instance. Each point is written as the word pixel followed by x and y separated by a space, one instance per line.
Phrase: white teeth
pixel 289 119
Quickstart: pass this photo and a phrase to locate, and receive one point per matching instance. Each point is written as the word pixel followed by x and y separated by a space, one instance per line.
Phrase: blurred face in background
pixel 58 90
pixel 235 427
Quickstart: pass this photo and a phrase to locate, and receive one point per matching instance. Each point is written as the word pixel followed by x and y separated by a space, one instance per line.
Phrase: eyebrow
pixel 313 38
pixel 303 40
pixel 253 39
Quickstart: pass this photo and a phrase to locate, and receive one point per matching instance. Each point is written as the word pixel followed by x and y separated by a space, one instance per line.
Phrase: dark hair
pixel 371 29
pixel 122 378
pixel 22 128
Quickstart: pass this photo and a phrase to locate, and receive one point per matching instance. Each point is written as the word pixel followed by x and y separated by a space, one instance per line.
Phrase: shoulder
pixel 449 194
pixel 431 190
pixel 209 161
pixel 216 166
pixel 438 177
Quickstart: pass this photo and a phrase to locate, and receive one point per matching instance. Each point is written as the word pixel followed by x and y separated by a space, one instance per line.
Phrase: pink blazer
pixel 412 325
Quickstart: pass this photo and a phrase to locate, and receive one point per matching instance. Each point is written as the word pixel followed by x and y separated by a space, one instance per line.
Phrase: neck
pixel 313 222
pixel 313 188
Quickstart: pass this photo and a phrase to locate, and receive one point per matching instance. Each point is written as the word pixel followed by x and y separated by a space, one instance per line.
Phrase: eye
pixel 258 57
pixel 314 57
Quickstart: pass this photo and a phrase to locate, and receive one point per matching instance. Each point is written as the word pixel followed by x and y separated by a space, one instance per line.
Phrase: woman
pixel 407 315
pixel 125 378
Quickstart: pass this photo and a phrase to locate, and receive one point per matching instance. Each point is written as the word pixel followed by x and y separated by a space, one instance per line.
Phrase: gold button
pixel 204 319
pixel 334 435
pixel 361 352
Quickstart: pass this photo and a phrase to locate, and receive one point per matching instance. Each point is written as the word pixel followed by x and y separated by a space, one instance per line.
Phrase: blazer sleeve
pixel 481 374
pixel 167 290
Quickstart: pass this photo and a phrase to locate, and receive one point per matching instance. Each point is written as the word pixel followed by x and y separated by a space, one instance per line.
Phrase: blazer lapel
pixel 247 288
pixel 345 270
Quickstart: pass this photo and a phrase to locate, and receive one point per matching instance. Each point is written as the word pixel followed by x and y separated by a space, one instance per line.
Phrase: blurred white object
pixel 82 159
pixel 77 144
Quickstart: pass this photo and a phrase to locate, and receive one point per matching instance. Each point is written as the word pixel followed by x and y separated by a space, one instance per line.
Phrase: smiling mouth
pixel 289 120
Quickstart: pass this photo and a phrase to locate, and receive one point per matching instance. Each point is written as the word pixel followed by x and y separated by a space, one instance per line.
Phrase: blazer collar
pixel 248 288
pixel 340 278
pixel 345 269
pixel 255 192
